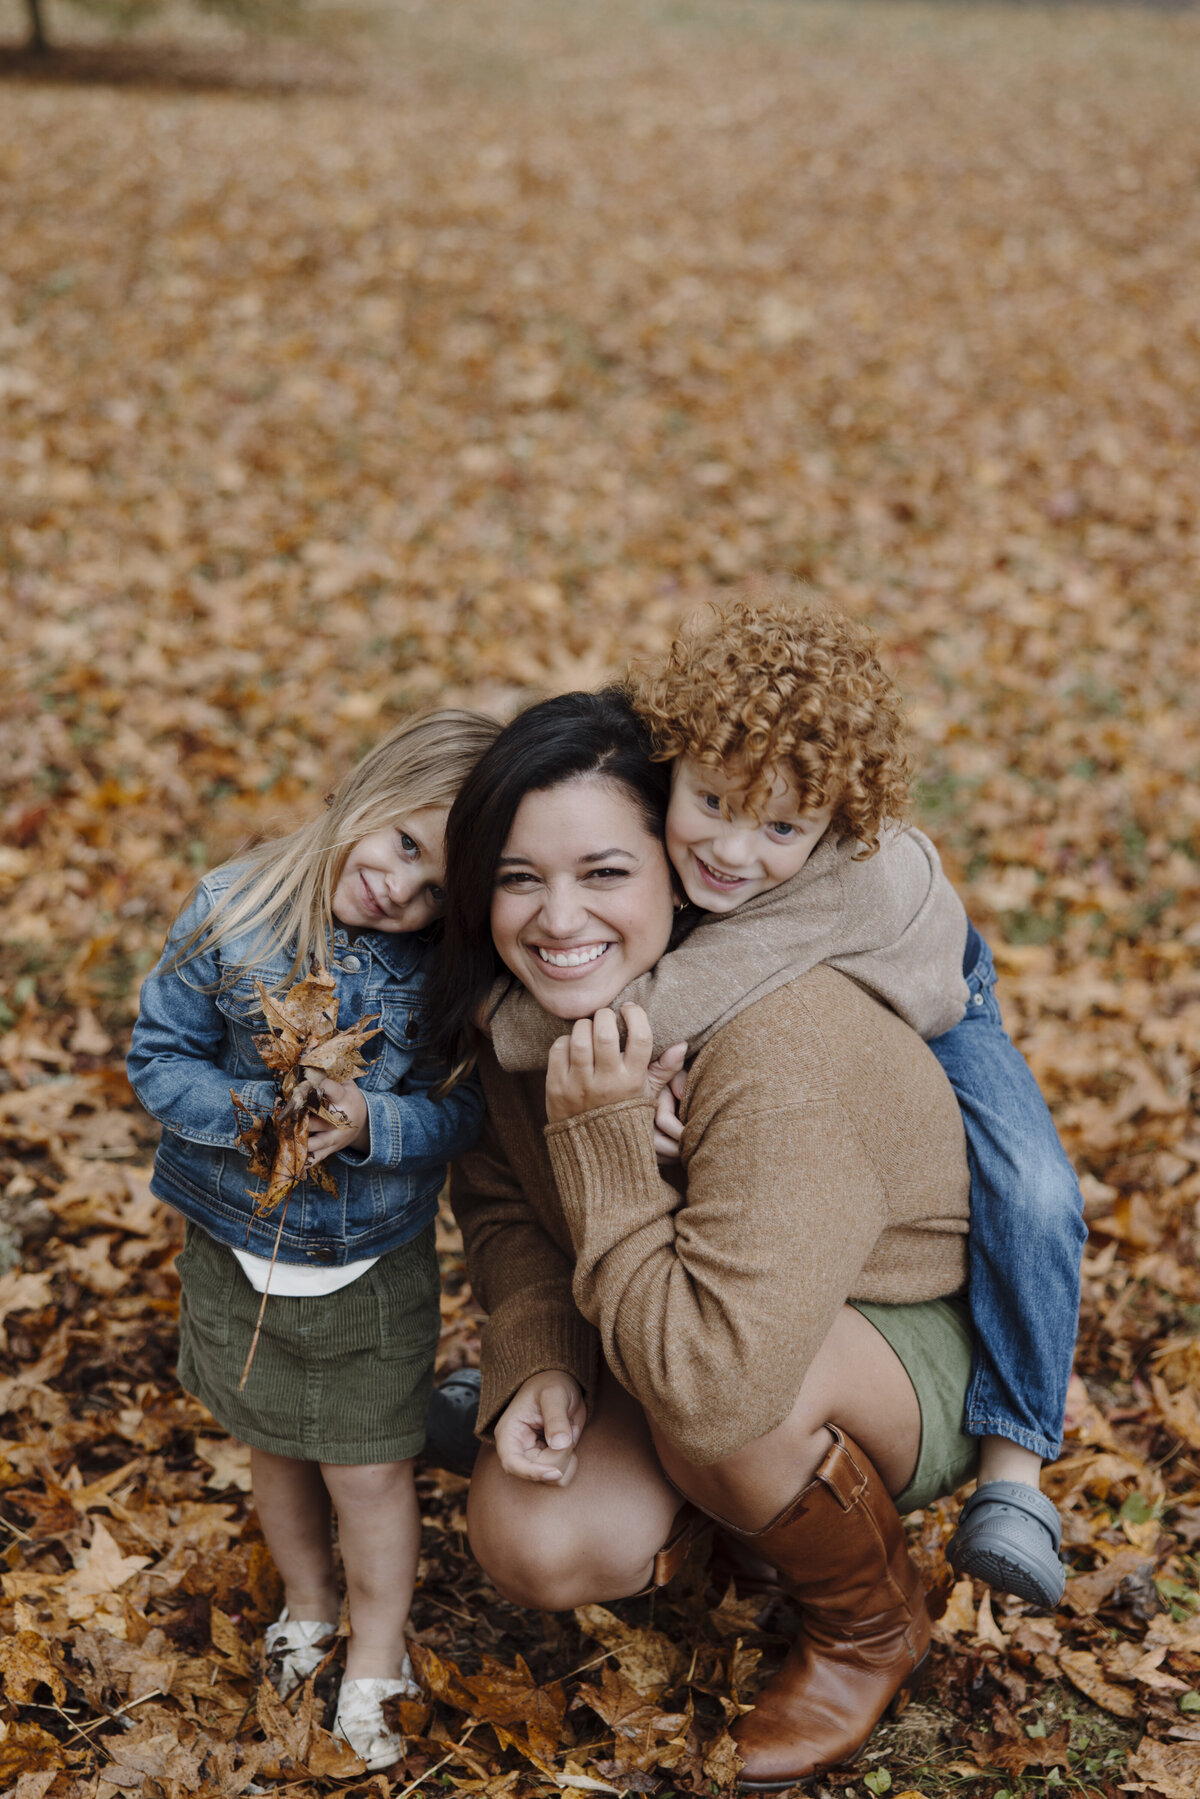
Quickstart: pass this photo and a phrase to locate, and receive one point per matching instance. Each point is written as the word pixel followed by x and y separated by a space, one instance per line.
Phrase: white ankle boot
pixel 360 1717
pixel 294 1648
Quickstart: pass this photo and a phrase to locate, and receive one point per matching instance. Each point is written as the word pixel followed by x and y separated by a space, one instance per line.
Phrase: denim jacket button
pixel 351 964
pixel 978 1000
pixel 321 1255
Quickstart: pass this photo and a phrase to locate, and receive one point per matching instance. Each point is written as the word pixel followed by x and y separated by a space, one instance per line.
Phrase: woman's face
pixel 582 903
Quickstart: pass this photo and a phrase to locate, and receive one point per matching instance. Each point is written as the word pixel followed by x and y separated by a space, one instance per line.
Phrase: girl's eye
pixel 711 801
pixel 408 845
pixel 782 830
pixel 437 895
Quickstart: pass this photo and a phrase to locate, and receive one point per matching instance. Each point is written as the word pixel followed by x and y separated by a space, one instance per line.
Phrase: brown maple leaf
pixel 25 1664
pixel 509 1699
pixel 650 1660
pixel 303 1048
pixel 641 1727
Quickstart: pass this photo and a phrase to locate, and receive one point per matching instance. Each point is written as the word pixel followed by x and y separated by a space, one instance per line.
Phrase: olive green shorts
pixel 934 1342
pixel 345 1377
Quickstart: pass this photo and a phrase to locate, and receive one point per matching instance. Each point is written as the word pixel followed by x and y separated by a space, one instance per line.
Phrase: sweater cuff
pixel 604 1161
pixel 545 1335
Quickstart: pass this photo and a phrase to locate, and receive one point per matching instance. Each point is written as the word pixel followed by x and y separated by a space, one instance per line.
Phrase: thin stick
pixel 449 1756
pixel 108 1716
pixel 266 1290
pixel 584 1666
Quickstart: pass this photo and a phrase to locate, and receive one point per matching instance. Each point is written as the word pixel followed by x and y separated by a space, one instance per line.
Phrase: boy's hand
pixel 325 1136
pixel 538 1430
pixel 590 1069
pixel 668 1128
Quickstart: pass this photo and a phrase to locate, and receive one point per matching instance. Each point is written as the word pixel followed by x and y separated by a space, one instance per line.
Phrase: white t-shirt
pixel 292 1281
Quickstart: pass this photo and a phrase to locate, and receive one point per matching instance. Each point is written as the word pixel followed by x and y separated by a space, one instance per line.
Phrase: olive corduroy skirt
pixel 345 1377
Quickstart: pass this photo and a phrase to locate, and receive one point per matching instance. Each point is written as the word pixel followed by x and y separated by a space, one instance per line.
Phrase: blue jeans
pixel 1027 1230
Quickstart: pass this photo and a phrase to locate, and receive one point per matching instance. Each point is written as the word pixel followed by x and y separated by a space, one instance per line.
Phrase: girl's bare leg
pixel 595 1540
pixel 856 1381
pixel 379 1529
pixel 293 1508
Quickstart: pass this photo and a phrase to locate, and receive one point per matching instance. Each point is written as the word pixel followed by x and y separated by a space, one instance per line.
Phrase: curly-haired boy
pixel 790 779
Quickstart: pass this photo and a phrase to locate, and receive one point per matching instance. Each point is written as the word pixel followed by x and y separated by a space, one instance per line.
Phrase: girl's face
pixel 582 903
pixel 393 879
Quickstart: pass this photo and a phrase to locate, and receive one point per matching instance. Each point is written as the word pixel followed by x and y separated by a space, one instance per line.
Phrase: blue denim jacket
pixel 193 1042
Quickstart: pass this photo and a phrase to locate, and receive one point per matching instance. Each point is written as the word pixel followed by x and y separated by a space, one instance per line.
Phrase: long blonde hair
pixel 285 888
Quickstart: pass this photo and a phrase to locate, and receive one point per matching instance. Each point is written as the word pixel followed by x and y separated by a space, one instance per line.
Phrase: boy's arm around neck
pixel 890 922
pixel 916 969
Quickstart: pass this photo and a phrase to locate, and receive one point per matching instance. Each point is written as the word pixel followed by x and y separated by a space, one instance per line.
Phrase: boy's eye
pixel 782 830
pixel 711 801
pixel 437 895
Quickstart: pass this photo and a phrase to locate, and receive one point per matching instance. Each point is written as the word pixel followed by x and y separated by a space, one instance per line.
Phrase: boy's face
pixel 722 862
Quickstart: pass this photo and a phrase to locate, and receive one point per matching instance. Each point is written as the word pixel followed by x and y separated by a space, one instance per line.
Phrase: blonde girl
pixel 335 1402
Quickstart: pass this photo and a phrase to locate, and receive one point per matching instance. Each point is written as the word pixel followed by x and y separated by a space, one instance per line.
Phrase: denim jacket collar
pixel 401 953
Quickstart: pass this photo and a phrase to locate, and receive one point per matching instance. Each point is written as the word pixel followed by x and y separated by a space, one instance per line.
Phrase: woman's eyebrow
pixel 595 856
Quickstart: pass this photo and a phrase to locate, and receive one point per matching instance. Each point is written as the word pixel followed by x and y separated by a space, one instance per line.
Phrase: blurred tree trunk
pixel 37 31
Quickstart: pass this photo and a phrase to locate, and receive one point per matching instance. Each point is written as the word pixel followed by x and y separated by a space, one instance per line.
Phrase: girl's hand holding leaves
pixel 314 1065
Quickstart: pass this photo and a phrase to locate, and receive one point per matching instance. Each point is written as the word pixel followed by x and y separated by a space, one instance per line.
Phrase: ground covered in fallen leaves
pixel 448 367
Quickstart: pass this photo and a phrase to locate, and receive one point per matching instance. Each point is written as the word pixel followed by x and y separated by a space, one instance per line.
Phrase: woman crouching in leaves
pixel 334 1404
pixel 773 1336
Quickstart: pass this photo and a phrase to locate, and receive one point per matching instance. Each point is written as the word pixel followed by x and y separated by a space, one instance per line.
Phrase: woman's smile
pixel 568 961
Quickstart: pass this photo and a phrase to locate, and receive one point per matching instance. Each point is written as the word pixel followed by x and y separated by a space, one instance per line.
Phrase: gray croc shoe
pixel 1008 1535
pixel 450 1440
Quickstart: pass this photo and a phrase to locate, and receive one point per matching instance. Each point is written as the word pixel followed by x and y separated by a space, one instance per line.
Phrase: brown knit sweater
pixel 824 1159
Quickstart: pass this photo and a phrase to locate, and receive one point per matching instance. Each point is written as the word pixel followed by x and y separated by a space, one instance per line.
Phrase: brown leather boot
pixel 688 1530
pixel 839 1547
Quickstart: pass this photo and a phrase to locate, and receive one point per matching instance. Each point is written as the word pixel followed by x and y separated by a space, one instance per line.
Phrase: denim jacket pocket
pixel 241 1008
pixel 402 1029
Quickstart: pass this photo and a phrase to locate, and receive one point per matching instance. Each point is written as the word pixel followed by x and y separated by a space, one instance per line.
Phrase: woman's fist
pixel 590 1068
pixel 538 1430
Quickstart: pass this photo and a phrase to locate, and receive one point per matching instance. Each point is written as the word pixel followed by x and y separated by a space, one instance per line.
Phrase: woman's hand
pixel 538 1430
pixel 325 1137
pixel 590 1069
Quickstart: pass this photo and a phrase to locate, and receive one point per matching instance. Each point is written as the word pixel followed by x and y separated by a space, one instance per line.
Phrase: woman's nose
pixel 563 911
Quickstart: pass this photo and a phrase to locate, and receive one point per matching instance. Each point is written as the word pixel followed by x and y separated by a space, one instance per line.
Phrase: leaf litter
pixel 454 378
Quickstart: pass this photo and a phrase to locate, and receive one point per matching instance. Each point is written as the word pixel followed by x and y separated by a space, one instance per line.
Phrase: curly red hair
pixel 768 683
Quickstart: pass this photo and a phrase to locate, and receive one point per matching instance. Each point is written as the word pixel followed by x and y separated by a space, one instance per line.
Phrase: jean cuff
pixel 1048 1448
